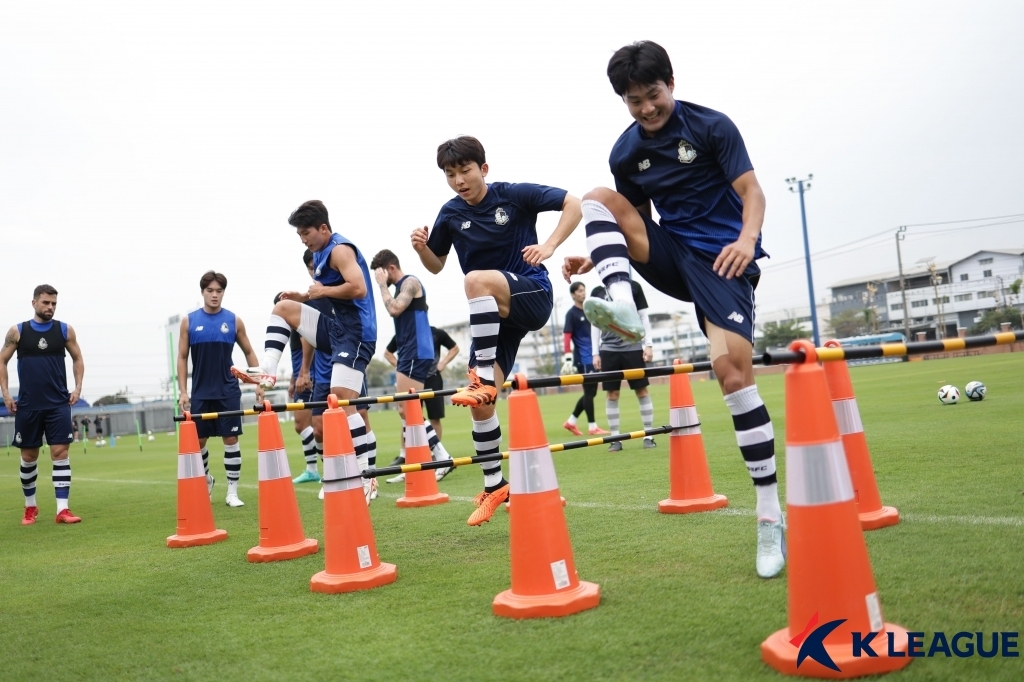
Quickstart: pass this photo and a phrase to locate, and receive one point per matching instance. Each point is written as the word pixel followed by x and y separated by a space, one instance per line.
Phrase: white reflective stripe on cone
pixel 681 419
pixel 341 467
pixel 272 465
pixel 817 474
pixel 416 436
pixel 847 416
pixel 190 466
pixel 531 471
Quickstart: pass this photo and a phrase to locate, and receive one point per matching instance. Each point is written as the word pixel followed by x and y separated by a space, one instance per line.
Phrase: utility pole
pixel 801 187
pixel 940 325
pixel 900 235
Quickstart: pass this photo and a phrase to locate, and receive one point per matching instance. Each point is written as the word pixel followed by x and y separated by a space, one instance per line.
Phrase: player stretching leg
pixel 493 228
pixel 349 334
pixel 209 335
pixel 691 162
pixel 44 404
pixel 579 358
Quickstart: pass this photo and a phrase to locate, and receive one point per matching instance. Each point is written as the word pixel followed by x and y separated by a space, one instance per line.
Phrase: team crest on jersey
pixel 224 328
pixel 686 152
pixel 500 217
pixel 43 345
pixel 644 165
pixel 465 225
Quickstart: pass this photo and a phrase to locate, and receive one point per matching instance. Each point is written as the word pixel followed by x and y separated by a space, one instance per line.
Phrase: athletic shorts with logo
pixel 324 332
pixel 225 427
pixel 687 274
pixel 529 311
pixel 619 360
pixel 435 406
pixel 30 425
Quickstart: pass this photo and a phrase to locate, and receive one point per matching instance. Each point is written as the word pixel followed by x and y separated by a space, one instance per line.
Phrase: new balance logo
pixel 199 328
pixel 343 354
pixel 465 225
pixel 735 317
pixel 644 165
pixel 233 429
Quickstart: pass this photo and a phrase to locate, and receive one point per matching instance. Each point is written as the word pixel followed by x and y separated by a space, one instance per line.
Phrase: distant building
pixel 941 297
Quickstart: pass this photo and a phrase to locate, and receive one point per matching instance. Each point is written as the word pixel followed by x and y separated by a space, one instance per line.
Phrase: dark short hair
pixel 642 63
pixel 574 286
pixel 460 151
pixel 211 276
pixel 312 213
pixel 383 259
pixel 277 297
pixel 43 289
pixel 307 258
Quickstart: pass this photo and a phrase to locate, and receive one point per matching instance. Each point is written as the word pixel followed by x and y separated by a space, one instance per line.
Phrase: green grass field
pixel 106 600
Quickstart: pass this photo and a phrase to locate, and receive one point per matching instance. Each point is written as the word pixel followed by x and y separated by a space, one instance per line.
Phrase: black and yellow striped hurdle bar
pixel 463 461
pixel 786 357
pixel 295 407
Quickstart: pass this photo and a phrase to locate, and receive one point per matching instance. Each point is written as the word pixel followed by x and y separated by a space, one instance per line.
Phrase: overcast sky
pixel 142 143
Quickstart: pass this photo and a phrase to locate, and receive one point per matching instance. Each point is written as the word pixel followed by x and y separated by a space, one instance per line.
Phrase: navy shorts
pixel 303 397
pixel 30 425
pixel 417 370
pixel 686 274
pixel 435 406
pixel 346 350
pixel 322 389
pixel 530 310
pixel 225 427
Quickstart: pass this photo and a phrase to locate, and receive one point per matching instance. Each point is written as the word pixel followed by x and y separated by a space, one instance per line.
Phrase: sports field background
pixel 106 600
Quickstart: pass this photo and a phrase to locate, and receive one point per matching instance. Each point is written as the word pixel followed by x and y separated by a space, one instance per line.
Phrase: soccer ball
pixel 949 395
pixel 151 438
pixel 975 390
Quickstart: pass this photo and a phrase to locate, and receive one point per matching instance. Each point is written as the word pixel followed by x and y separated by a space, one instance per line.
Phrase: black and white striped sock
pixel 647 412
pixel 206 460
pixel 29 474
pixel 62 482
pixel 233 466
pixel 309 449
pixel 611 410
pixel 436 446
pixel 319 449
pixel 278 332
pixel 484 323
pixel 756 438
pixel 357 427
pixel 487 441
pixel 371 450
pixel 607 246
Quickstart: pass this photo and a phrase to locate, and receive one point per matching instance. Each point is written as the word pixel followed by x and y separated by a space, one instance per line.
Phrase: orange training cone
pixel 195 514
pixel 689 480
pixel 829 572
pixel 420 486
pixel 281 535
pixel 865 489
pixel 544 580
pixel 350 551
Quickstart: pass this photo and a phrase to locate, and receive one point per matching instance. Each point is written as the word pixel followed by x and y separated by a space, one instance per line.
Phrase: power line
pixel 968 220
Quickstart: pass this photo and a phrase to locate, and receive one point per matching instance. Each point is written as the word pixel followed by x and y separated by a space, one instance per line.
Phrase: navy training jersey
pixel 412 328
pixel 355 316
pixel 493 234
pixel 211 340
pixel 321 366
pixel 687 169
pixel 577 324
pixel 42 375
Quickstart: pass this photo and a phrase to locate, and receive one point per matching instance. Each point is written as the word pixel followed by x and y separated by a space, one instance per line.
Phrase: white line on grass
pixel 728 511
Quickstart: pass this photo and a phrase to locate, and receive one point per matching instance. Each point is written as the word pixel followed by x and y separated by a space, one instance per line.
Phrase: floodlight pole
pixel 802 186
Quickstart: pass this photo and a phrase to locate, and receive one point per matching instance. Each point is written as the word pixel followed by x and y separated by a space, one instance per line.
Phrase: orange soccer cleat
pixel 572 428
pixel 65 516
pixel 476 394
pixel 30 516
pixel 486 504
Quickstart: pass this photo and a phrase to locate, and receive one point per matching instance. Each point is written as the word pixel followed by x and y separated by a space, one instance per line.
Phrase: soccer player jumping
pixel 691 162
pixel 493 228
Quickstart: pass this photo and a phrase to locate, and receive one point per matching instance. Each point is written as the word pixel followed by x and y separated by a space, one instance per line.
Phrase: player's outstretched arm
pixel 735 257
pixel 242 339
pixel 431 261
pixel 77 364
pixel 303 383
pixel 567 222
pixel 6 353
pixel 396 305
pixel 390 357
pixel 183 400
pixel 343 260
pixel 453 352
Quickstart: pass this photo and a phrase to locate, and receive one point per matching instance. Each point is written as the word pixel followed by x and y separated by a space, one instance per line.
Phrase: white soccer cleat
pixel 210 480
pixel 771 547
pixel 370 490
pixel 396 479
pixel 617 317
pixel 232 501
pixel 254 375
pixel 320 495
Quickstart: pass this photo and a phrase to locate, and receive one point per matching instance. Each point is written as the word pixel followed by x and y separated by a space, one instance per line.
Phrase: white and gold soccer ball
pixel 949 395
pixel 975 390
